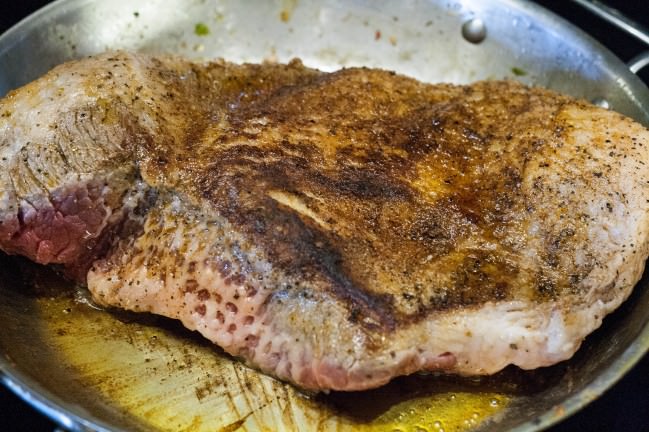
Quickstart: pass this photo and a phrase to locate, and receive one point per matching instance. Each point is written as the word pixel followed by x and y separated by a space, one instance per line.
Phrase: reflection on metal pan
pixel 99 370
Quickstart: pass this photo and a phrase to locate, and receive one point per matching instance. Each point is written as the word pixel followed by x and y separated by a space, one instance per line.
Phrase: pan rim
pixel 73 419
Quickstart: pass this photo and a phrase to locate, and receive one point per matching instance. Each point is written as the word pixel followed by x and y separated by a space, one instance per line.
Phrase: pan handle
pixel 638 62
pixel 616 18
pixel 624 23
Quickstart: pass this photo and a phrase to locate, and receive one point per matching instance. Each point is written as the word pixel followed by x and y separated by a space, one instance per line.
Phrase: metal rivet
pixel 474 30
pixel 601 102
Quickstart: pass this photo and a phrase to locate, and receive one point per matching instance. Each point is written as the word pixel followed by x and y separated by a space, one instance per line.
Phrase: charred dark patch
pixel 304 252
pixel 361 183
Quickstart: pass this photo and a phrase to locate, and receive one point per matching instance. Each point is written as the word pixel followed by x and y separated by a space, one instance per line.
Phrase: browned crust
pixel 412 193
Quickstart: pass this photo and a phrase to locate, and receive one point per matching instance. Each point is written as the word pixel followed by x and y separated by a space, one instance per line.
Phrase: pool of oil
pixel 167 378
pixel 142 372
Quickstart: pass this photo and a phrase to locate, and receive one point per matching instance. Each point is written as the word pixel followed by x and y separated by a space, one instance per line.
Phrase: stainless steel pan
pixel 93 370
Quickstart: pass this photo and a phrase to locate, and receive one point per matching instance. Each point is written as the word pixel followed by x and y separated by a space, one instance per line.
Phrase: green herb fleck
pixel 136 14
pixel 201 29
pixel 518 71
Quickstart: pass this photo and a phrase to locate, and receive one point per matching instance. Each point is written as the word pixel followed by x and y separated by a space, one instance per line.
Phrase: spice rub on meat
pixel 332 229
